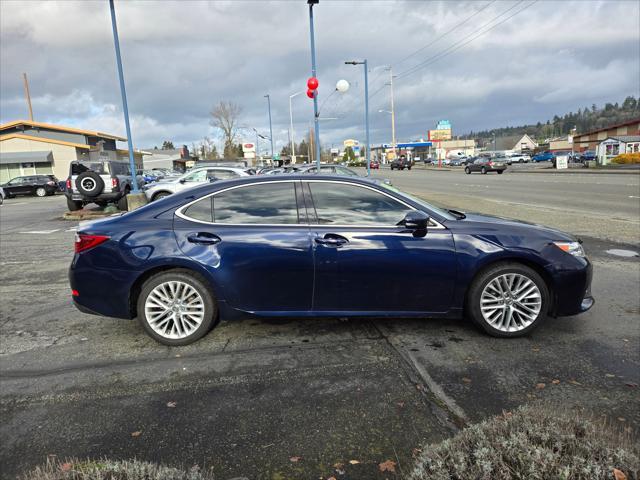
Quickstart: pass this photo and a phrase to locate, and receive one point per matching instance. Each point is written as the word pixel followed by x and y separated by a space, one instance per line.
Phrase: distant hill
pixel 583 120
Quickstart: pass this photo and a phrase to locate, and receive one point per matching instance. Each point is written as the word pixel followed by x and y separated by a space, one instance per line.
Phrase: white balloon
pixel 342 86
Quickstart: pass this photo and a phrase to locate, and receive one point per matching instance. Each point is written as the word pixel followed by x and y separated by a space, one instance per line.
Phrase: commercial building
pixel 613 146
pixel 178 159
pixel 30 148
pixel 512 143
pixel 590 140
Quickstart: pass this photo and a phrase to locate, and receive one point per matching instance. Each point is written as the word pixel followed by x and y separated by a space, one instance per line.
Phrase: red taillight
pixel 75 293
pixel 114 182
pixel 68 184
pixel 85 242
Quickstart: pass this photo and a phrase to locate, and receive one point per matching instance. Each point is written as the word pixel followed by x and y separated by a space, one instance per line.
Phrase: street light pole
pixel 123 92
pixel 292 135
pixel 393 115
pixel 366 110
pixel 270 127
pixel 316 124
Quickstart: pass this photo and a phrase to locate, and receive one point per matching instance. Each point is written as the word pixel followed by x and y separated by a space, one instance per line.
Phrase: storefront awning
pixel 26 157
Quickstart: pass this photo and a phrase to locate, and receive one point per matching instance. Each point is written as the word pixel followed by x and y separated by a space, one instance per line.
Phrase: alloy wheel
pixel 174 309
pixel 41 192
pixel 510 302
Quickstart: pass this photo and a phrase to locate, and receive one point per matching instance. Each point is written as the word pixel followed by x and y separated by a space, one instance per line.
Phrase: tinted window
pixel 262 203
pixel 201 210
pixel 341 204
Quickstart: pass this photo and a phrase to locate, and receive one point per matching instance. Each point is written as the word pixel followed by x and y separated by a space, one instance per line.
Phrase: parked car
pixel 544 157
pixel 197 176
pixel 374 165
pixel 401 163
pixel 227 248
pixel 485 165
pixel 100 182
pixel 587 156
pixel 38 185
pixel 520 158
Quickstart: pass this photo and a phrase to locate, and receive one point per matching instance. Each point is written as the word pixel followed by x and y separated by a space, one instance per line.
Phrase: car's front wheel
pixel 508 300
pixel 499 172
pixel 41 192
pixel 467 170
pixel 176 307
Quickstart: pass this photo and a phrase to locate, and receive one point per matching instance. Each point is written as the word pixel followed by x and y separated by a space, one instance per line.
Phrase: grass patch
pixel 110 470
pixel 532 443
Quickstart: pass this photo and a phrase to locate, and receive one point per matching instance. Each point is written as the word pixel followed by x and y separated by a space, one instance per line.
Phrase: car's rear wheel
pixel 160 195
pixel 176 308
pixel 41 192
pixel 483 171
pixel 467 170
pixel 500 172
pixel 123 204
pixel 508 300
pixel 73 205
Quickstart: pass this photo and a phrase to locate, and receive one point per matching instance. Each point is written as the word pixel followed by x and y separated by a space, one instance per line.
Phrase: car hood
pixel 498 225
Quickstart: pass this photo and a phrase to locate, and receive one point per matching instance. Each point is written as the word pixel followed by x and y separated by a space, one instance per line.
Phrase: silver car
pixel 193 178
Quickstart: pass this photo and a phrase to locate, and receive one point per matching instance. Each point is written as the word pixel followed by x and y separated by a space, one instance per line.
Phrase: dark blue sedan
pixel 321 246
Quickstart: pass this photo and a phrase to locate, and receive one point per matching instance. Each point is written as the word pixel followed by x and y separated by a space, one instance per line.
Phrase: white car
pixel 520 158
pixel 193 178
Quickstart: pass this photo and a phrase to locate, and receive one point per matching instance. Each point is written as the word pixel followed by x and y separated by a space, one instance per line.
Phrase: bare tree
pixel 225 116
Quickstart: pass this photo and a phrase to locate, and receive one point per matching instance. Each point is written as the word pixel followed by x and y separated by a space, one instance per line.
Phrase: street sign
pixel 562 162
pixel 276 156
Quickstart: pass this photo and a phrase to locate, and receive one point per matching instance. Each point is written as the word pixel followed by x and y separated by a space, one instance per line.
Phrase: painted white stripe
pixel 40 232
pixel 634 196
pixel 11 204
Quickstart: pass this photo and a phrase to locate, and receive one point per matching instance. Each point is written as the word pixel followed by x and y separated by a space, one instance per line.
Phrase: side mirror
pixel 213 179
pixel 182 180
pixel 416 220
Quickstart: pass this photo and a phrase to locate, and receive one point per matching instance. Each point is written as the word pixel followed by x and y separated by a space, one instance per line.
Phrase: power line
pixel 437 39
pixel 461 43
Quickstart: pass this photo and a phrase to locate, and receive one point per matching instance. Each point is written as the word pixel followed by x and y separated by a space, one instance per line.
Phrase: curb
pixel 579 170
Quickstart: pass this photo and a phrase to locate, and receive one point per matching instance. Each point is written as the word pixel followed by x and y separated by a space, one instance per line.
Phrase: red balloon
pixel 312 83
pixel 310 93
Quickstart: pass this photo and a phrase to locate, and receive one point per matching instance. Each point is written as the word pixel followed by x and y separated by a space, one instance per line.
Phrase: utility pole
pixel 270 127
pixel 393 115
pixel 316 124
pixel 27 95
pixel 116 41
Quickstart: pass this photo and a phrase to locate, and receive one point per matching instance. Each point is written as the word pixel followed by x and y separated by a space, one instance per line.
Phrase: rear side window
pixel 201 210
pixel 98 167
pixel 341 204
pixel 266 203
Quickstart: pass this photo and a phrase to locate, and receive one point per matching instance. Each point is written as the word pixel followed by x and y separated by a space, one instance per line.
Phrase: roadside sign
pixel 562 162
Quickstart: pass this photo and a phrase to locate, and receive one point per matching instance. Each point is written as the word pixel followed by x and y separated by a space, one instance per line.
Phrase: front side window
pixel 266 203
pixel 198 176
pixel 342 204
pixel 221 174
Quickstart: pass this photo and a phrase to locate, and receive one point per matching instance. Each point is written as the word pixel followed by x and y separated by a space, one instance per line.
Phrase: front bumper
pixel 572 290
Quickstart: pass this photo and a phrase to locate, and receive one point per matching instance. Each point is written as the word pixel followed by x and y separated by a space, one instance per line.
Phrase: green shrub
pixel 532 443
pixel 110 470
pixel 627 158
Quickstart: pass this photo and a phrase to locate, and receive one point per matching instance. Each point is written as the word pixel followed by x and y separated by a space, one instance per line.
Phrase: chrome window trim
pixel 180 211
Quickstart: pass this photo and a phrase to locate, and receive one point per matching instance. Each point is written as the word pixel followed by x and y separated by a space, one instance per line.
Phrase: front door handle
pixel 204 238
pixel 332 240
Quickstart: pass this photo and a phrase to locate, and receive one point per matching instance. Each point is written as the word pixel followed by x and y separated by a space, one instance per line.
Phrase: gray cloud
pixel 180 58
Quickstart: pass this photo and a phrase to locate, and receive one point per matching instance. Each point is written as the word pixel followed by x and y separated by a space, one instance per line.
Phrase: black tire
pixel 73 205
pixel 90 184
pixel 467 170
pixel 195 281
pixel 474 294
pixel 500 172
pixel 408 168
pixel 483 171
pixel 123 204
pixel 159 195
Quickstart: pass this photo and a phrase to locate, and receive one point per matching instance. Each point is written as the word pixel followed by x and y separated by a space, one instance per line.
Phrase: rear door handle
pixel 204 238
pixel 332 240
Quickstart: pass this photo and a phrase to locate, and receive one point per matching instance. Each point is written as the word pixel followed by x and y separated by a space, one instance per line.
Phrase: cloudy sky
pixel 180 58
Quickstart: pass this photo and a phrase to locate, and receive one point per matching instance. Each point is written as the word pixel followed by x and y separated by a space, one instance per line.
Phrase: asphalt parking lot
pixel 278 399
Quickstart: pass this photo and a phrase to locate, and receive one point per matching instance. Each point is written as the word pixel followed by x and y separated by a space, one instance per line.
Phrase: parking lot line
pixel 40 232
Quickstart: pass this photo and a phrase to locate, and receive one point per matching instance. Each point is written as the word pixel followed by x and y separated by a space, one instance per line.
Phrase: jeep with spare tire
pixel 100 182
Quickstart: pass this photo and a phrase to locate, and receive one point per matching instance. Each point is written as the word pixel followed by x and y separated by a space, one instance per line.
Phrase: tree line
pixel 584 120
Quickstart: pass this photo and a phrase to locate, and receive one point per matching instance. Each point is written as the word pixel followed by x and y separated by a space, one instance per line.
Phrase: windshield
pixel 439 211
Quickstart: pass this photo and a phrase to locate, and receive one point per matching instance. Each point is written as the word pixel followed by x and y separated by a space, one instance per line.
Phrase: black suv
pixel 38 185
pixel 401 163
pixel 100 182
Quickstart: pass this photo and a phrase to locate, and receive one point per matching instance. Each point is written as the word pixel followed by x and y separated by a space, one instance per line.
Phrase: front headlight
pixel 574 248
